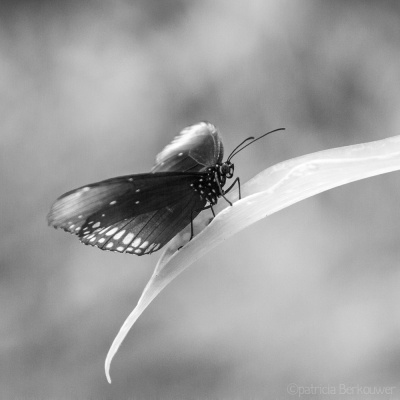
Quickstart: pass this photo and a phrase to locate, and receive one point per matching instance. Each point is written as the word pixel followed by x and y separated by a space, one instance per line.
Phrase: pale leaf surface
pixel 271 190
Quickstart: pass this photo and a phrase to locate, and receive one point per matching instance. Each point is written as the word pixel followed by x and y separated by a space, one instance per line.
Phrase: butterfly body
pixel 140 213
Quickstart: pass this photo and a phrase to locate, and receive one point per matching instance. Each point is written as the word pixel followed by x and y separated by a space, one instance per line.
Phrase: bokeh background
pixel 94 89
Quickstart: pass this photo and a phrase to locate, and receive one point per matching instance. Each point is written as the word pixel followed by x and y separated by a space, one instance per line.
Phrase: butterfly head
pixel 226 169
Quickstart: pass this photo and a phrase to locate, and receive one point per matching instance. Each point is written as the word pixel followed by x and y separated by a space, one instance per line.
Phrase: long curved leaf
pixel 271 190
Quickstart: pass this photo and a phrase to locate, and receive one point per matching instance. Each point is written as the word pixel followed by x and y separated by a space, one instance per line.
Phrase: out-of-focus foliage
pixel 91 90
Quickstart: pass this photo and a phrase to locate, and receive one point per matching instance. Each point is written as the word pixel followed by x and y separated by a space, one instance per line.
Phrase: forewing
pixel 100 205
pixel 147 233
pixel 195 148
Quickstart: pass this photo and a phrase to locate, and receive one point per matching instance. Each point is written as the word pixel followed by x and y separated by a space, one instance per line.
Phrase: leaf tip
pixel 107 370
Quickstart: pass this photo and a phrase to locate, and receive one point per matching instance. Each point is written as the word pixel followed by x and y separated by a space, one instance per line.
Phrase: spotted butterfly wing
pixel 141 213
pixel 195 148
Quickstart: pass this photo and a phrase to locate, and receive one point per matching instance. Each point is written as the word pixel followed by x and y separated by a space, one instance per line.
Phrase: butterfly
pixel 140 213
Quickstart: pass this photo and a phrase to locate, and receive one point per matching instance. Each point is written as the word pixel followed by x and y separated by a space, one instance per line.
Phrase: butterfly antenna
pixel 244 141
pixel 235 151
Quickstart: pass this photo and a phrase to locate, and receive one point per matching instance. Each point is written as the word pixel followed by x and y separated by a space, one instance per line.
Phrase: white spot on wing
pixel 109 245
pixel 113 202
pixel 119 235
pixel 144 244
pixel 111 232
pixel 86 189
pixel 136 242
pixel 102 240
pixel 151 247
pixel 96 225
pixel 120 248
pixel 128 238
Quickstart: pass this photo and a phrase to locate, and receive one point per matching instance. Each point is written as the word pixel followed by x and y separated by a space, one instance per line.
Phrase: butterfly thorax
pixel 209 185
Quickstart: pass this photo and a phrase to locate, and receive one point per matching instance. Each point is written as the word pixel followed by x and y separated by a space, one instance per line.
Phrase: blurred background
pixel 94 89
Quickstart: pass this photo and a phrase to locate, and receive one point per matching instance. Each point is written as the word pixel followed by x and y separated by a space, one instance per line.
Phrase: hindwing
pixel 154 206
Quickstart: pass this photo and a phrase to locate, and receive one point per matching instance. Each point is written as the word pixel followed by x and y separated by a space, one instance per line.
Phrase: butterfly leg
pixel 221 191
pixel 210 206
pixel 191 220
pixel 237 180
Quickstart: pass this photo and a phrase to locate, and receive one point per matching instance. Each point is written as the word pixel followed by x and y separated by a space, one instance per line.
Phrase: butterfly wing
pixel 141 213
pixel 147 233
pixel 110 213
pixel 195 148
